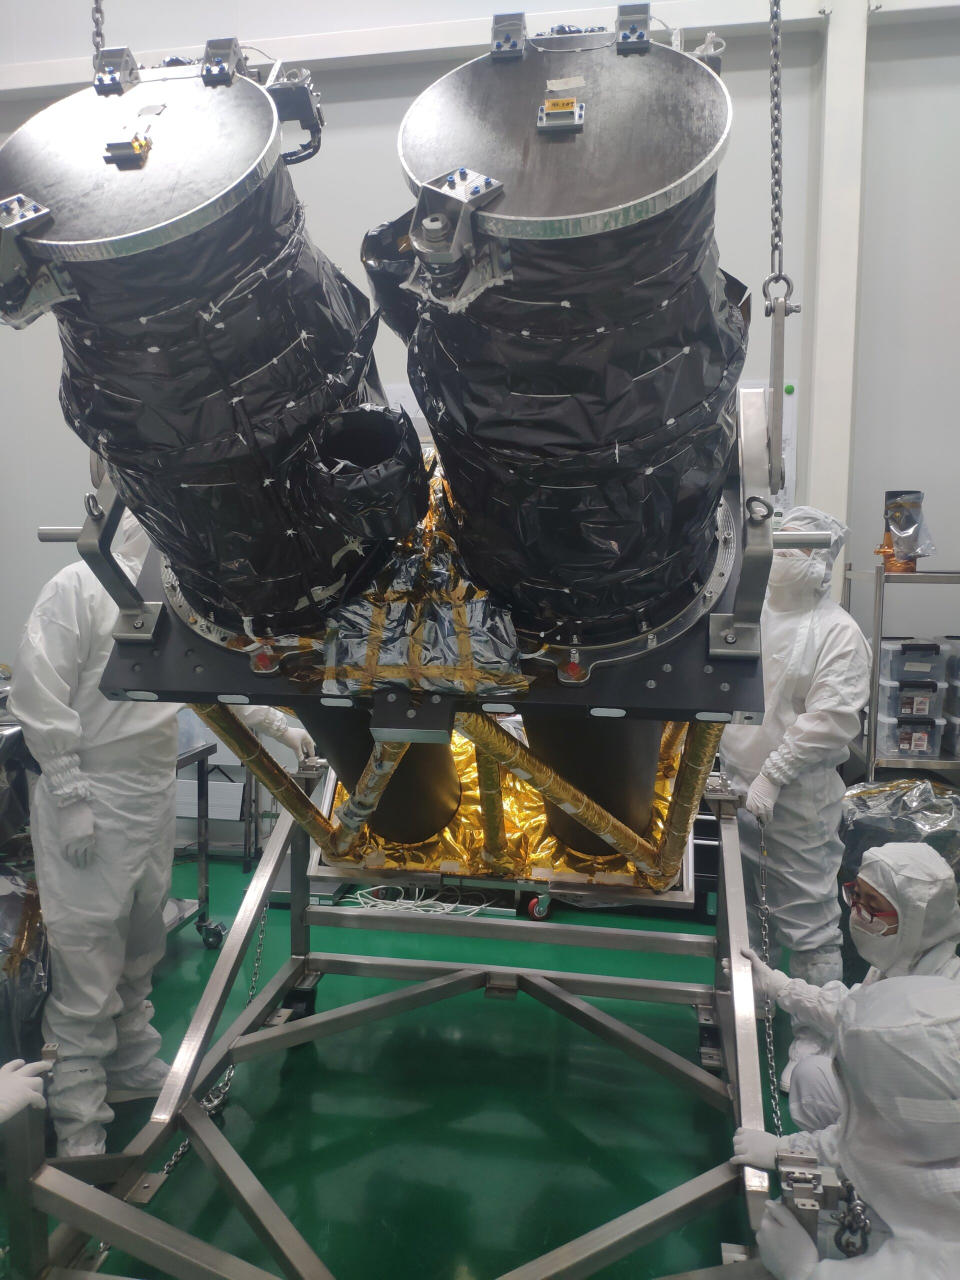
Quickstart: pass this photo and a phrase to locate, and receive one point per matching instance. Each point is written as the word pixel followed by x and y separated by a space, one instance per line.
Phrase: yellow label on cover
pixel 560 104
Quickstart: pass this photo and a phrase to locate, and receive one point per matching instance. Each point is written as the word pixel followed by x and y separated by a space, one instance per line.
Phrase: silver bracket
pixel 501 986
pixel 778 314
pixel 222 60
pixel 807 1187
pixel 633 28
pixel 556 114
pixel 295 98
pixel 115 71
pixel 737 634
pixel 27 288
pixel 452 268
pixel 508 35
pixel 138 618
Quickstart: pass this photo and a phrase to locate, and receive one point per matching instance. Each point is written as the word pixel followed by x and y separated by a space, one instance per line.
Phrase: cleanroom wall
pixel 905 420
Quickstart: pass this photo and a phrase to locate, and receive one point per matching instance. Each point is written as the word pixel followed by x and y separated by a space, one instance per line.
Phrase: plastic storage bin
pixel 909 735
pixel 906 660
pixel 912 698
pixel 951 647
pixel 952 701
pixel 951 736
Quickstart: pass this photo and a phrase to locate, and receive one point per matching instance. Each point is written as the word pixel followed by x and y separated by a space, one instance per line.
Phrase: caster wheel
pixel 540 908
pixel 212 935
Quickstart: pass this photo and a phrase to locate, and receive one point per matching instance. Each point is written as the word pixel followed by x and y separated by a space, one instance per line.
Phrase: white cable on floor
pixel 419 901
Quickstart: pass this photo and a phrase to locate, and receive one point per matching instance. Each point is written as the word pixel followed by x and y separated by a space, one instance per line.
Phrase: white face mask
pixel 794 569
pixel 880 950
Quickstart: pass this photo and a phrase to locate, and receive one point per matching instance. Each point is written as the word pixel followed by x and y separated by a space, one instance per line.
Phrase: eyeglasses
pixel 851 896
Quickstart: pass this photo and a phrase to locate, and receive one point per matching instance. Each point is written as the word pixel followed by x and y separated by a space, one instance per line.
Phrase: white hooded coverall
pixel 922 887
pixel 816 668
pixel 898 1138
pixel 104 920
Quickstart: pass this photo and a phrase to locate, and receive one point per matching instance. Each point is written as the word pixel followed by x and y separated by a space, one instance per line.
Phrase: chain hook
pixel 777 274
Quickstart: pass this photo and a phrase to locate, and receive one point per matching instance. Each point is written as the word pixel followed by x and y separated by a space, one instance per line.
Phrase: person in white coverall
pixel 904 919
pixel 816 671
pixel 897 1140
pixel 103 824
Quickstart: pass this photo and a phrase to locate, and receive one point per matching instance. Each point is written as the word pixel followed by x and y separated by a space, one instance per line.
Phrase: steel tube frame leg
pixel 23 1135
pixel 735 1006
pixel 297 1260
pixel 203 840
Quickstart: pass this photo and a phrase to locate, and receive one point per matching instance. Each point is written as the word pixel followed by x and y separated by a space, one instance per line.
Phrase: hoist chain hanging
pixel 777 274
pixel 763 910
pixel 96 13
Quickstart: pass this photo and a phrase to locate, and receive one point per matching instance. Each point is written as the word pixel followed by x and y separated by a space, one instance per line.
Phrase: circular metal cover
pixel 210 147
pixel 655 126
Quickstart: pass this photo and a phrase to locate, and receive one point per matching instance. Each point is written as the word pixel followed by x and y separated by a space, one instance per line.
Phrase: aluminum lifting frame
pixel 100 1197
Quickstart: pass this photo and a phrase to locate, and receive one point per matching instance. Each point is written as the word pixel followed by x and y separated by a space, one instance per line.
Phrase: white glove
pixel 21 1086
pixel 785 1248
pixel 76 832
pixel 756 1148
pixel 762 796
pixel 299 742
pixel 769 982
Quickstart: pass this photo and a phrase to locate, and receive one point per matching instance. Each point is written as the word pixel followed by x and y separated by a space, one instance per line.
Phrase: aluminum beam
pixel 598 986
pixel 594 936
pixel 620 1237
pixel 144 1237
pixel 28 1253
pixel 333 1021
pixel 736 1009
pixel 194 1045
pixel 297 1260
pixel 632 1042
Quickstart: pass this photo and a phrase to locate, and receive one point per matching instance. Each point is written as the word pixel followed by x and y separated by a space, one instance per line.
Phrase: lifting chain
pixel 96 13
pixel 763 911
pixel 214 1101
pixel 777 275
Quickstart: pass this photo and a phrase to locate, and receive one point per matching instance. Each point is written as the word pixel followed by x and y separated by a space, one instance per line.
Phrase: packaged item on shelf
pixel 951 647
pixel 909 735
pixel 912 697
pixel 902 658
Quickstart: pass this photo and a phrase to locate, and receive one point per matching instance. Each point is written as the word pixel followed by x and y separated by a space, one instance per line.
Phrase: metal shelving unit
pixel 947 765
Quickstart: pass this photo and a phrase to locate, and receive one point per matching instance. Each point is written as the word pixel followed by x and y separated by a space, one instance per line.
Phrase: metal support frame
pixel 39 1188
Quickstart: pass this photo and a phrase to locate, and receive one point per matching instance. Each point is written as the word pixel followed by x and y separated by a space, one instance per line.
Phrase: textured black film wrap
pixel 583 413
pixel 229 382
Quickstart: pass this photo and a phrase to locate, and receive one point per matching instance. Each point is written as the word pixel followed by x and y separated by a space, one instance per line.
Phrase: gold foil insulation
pixel 505 838
pixel 231 730
pixel 529 850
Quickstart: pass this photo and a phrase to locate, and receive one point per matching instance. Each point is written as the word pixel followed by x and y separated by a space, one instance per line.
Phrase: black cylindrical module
pixel 421 797
pixel 613 761
pixel 577 379
pixel 222 366
pixel 212 355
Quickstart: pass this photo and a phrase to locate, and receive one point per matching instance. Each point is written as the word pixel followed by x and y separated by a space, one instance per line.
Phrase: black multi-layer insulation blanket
pixel 228 381
pixel 583 413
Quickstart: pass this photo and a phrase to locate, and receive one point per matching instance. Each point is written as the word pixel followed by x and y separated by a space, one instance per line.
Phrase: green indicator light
pixel 788 390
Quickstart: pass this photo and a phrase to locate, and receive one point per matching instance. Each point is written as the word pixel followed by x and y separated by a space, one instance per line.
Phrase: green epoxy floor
pixel 453 1143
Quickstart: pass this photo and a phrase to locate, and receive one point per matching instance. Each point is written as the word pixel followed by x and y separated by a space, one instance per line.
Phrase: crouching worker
pixel 904 919
pixel 897 1140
